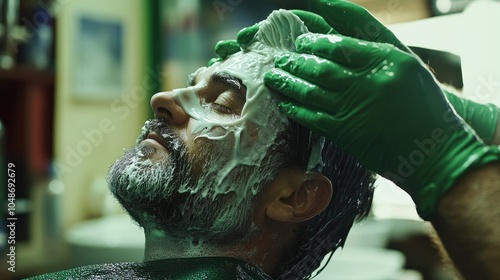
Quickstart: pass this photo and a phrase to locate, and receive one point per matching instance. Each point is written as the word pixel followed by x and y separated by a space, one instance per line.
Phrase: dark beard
pixel 149 192
pixel 144 188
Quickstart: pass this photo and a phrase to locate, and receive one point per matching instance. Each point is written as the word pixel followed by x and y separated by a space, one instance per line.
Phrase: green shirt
pixel 209 268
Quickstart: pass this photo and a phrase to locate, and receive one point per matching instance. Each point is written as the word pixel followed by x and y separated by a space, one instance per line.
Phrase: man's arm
pixel 468 221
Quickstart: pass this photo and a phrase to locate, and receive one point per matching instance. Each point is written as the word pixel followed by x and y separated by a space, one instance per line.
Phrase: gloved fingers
pixel 314 23
pixel 319 122
pixel 245 35
pixel 350 52
pixel 323 72
pixel 295 89
pixel 352 20
pixel 483 118
pixel 214 60
pixel 226 48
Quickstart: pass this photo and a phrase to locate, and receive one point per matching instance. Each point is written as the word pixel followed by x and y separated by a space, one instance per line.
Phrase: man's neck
pixel 159 245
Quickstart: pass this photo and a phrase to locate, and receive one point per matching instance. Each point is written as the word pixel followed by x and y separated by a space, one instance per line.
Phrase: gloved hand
pixel 483 118
pixel 355 21
pixel 383 106
pixel 349 19
pixel 326 17
pixel 225 48
pixel 352 20
pixel 341 98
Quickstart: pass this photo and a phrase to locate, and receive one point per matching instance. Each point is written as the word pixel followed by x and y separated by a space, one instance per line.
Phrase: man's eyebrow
pixel 234 83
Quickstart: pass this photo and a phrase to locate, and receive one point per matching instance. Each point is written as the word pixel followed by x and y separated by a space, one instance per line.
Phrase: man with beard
pixel 226 187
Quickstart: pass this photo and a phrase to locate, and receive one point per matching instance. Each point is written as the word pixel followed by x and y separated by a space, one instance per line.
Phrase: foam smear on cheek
pixel 251 135
pixel 256 130
pixel 205 122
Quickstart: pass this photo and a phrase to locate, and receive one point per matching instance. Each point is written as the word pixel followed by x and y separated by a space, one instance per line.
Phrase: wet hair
pixel 353 186
pixel 352 182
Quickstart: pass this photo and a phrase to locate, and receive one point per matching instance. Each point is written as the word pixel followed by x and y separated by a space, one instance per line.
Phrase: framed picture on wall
pixel 98 59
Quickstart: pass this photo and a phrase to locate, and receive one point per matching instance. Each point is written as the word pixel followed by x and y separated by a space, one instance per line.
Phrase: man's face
pixel 197 167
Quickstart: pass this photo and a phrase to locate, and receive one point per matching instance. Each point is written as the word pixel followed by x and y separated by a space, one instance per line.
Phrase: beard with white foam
pixel 217 204
pixel 150 191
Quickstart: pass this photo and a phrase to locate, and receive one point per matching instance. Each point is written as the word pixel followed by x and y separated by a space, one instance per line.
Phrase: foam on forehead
pixel 276 35
pixel 280 30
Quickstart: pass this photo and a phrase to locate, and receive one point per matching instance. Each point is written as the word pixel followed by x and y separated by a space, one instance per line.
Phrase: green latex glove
pixel 355 21
pixel 337 17
pixel 352 20
pixel 225 48
pixel 349 18
pixel 483 118
pixel 383 106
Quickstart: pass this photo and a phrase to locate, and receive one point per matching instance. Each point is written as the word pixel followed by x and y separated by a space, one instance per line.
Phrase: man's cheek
pixel 228 146
pixel 246 140
pixel 217 133
pixel 208 153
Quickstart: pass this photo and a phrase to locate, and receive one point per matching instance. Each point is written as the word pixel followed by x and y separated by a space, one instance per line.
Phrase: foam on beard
pixel 277 34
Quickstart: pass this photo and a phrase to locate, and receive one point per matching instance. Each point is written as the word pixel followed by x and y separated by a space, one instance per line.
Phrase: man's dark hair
pixel 352 182
pixel 351 200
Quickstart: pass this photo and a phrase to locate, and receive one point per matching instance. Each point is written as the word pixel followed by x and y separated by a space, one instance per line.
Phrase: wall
pixel 91 135
pixel 396 11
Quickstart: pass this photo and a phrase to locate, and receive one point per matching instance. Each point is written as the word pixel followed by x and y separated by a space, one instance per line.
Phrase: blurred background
pixel 75 82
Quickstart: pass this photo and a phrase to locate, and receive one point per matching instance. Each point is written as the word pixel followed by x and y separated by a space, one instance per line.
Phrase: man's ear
pixel 299 196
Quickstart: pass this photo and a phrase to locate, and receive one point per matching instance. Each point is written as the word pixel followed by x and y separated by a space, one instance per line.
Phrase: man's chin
pixel 180 215
pixel 165 195
pixel 185 216
pixel 134 176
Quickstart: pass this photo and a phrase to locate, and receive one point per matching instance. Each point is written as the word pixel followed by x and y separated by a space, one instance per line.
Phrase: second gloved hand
pixel 483 118
pixel 384 107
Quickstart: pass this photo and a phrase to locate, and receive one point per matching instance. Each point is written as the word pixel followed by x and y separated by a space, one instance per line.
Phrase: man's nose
pixel 165 106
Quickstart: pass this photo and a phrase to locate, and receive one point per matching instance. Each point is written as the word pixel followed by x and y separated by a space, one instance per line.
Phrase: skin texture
pixel 471 209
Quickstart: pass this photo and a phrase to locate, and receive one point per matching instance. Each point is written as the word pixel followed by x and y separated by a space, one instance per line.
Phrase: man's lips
pixel 156 137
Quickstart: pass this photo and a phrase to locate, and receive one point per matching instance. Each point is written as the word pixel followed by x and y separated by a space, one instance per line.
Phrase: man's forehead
pixel 245 66
pixel 197 76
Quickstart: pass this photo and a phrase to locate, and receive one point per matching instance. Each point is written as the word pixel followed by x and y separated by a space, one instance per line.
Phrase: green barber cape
pixel 209 268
